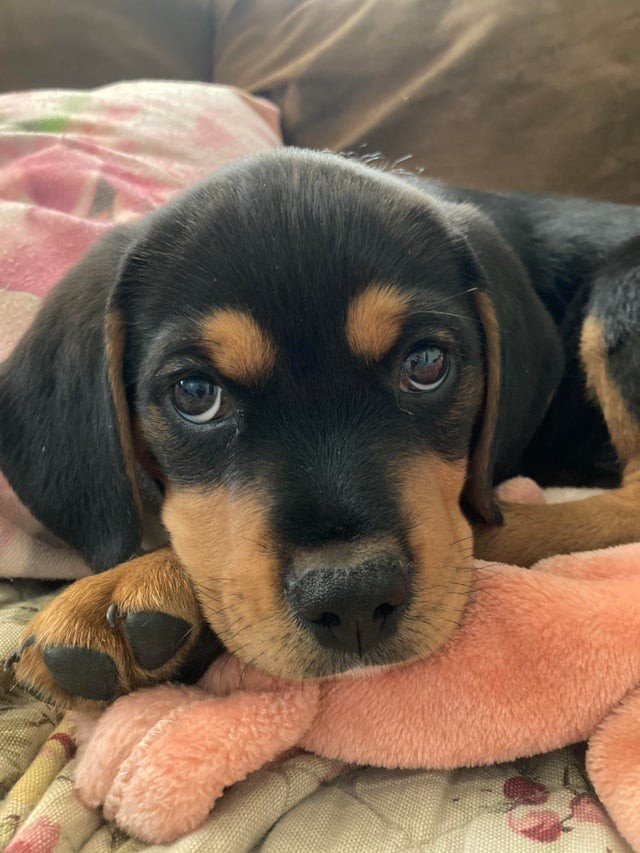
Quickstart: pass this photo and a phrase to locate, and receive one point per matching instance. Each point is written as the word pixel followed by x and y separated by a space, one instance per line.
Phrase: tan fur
pixel 222 538
pixel 345 555
pixel 77 617
pixel 114 346
pixel 441 544
pixel 374 320
pixel 238 346
pixel 531 532
pixel 623 428
pixel 479 486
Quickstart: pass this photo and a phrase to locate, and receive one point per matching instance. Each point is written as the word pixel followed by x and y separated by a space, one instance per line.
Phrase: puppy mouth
pixel 326 628
pixel 313 611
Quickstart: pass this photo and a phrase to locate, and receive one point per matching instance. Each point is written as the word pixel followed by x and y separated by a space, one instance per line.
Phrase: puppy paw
pixel 134 625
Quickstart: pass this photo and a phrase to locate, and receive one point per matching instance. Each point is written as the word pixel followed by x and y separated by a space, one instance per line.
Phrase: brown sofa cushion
pixel 532 94
pixel 87 43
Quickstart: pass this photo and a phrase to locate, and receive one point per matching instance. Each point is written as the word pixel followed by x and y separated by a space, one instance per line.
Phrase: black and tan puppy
pixel 324 369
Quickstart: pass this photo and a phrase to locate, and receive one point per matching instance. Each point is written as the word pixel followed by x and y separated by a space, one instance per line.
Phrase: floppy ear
pixel 523 359
pixel 65 437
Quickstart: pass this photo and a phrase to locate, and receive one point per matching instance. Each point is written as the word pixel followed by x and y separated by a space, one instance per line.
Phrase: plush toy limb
pixel 106 742
pixel 613 764
pixel 620 561
pixel 538 662
pixel 170 780
pixel 133 625
pixel 520 490
pixel 228 674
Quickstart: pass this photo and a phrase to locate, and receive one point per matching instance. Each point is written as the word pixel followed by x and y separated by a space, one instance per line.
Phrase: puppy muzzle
pixel 349 605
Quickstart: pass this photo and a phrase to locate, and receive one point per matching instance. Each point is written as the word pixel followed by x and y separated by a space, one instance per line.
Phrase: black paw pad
pixel 155 637
pixel 82 672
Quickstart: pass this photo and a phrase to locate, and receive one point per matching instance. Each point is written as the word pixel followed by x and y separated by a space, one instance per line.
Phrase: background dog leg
pixel 610 355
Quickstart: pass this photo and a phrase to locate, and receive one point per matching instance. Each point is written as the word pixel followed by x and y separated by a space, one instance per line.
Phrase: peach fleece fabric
pixel 543 658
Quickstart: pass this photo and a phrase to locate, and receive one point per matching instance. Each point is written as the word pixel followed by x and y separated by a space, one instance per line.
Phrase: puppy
pixel 322 369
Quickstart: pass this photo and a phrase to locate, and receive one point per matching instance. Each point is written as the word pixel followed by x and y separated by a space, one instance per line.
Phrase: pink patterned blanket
pixel 73 163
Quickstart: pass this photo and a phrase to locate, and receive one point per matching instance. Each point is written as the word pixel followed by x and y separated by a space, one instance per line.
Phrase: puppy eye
pixel 198 399
pixel 424 369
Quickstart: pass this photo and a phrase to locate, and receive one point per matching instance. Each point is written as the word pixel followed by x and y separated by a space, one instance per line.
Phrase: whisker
pixel 441 300
pixel 457 316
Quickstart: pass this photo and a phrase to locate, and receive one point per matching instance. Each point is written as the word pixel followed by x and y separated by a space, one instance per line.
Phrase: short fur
pixel 272 277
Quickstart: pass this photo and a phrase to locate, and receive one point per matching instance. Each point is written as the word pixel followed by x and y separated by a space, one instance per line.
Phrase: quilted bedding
pixel 301 803
pixel 70 164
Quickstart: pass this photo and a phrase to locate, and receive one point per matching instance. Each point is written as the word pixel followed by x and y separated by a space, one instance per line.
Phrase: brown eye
pixel 198 399
pixel 424 369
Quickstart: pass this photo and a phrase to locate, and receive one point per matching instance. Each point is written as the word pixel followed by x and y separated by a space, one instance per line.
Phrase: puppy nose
pixel 349 609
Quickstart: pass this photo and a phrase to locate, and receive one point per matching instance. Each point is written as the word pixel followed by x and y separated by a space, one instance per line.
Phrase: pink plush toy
pixel 544 657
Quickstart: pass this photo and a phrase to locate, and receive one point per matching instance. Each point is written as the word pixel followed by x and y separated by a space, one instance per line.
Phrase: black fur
pixel 59 441
pixel 292 237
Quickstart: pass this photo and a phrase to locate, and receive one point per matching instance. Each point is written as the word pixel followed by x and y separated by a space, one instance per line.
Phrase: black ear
pixel 523 359
pixel 65 437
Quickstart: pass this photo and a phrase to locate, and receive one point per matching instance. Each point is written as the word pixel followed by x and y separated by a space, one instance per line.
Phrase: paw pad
pixel 82 672
pixel 155 637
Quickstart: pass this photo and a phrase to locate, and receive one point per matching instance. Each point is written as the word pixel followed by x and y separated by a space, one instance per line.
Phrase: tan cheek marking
pixel 224 543
pixel 374 320
pixel 441 542
pixel 239 347
pixel 623 429
pixel 114 347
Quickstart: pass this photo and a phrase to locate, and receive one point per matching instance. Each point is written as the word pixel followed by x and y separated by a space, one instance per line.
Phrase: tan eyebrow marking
pixel 374 320
pixel 238 346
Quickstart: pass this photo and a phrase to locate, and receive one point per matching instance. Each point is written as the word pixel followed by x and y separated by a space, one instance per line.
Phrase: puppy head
pixel 312 376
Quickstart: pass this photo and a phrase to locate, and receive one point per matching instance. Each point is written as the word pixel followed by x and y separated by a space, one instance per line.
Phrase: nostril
pixel 351 609
pixel 328 620
pixel 384 610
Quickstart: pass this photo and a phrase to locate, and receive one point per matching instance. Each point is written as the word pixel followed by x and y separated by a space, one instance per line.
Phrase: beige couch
pixel 532 94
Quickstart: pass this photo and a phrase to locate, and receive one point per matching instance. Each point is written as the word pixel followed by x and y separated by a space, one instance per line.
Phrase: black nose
pixel 350 609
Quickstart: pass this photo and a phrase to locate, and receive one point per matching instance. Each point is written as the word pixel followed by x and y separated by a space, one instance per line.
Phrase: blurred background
pixel 531 94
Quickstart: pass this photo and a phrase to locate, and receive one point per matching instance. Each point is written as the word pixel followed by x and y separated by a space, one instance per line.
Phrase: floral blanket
pixel 301 803
pixel 71 163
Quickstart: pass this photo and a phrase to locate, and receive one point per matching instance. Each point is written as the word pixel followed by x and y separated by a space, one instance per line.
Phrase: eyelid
pixel 186 364
pixel 427 343
pixel 423 336
pixel 172 372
